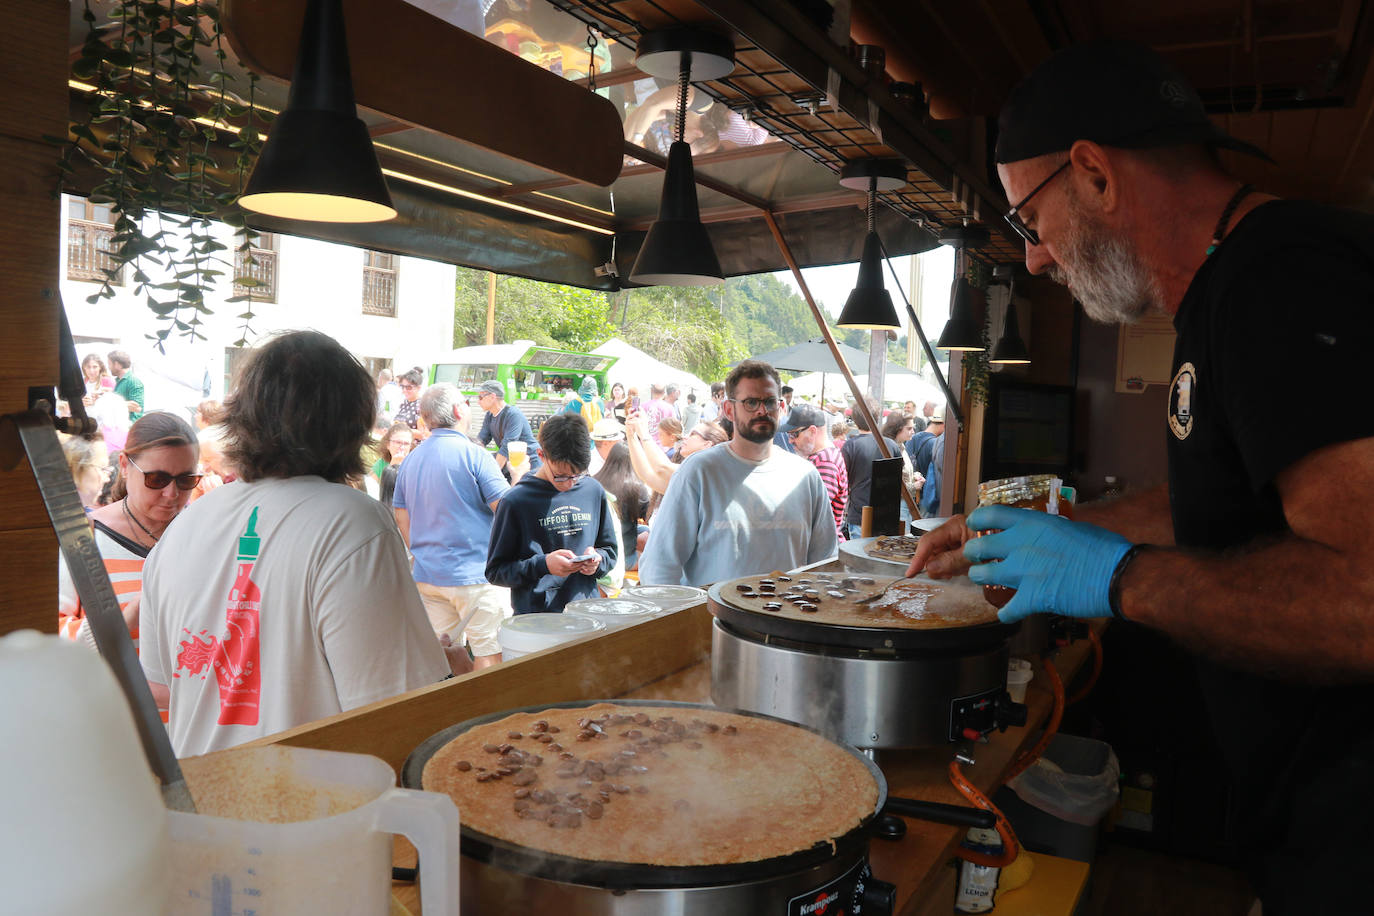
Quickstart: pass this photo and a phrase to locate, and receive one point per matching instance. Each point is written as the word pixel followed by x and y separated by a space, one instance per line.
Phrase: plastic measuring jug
pixel 334 854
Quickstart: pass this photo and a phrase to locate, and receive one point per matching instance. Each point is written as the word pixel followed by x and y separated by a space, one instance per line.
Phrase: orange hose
pixel 1011 847
pixel 1097 669
pixel 1056 716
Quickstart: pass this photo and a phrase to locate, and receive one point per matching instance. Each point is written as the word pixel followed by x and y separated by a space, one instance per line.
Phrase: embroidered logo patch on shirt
pixel 1181 400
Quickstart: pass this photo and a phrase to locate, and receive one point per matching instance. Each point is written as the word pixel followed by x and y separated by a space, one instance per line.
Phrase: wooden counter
pixel 669 659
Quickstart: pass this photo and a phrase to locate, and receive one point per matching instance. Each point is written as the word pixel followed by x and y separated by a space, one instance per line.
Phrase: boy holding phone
pixel 554 534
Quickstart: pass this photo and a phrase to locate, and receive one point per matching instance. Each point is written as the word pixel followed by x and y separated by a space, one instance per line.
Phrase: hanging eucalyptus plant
pixel 172 144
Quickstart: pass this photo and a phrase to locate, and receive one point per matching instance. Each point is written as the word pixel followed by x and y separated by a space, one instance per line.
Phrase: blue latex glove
pixel 1055 565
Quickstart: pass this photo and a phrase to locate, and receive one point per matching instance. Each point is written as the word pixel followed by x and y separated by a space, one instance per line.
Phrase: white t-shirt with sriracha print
pixel 274 603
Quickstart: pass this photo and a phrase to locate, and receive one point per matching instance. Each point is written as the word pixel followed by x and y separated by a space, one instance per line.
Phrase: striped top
pixel 124 565
pixel 832 470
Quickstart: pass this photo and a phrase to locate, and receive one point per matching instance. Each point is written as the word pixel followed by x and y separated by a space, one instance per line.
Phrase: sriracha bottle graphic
pixel 236 666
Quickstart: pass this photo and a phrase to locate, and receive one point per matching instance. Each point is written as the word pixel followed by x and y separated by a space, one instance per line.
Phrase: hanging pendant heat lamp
pixel 962 331
pixel 318 162
pixel 677 250
pixel 1010 349
pixel 869 307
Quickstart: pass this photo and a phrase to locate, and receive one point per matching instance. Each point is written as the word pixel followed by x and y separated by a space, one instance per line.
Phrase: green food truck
pixel 538 379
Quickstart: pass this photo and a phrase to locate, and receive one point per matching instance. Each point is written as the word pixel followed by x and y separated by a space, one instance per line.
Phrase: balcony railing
pixel 88 251
pixel 379 291
pixel 262 268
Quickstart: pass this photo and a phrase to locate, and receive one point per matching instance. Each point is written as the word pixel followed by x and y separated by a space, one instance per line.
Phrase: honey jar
pixel 1036 491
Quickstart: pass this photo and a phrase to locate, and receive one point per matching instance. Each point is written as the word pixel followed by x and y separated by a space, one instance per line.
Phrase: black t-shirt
pixel 859 452
pixel 1271 364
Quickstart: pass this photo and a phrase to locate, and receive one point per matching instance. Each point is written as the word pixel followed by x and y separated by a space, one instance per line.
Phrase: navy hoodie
pixel 535 519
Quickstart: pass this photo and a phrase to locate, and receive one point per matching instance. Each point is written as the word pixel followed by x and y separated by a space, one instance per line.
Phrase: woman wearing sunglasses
pixel 156 473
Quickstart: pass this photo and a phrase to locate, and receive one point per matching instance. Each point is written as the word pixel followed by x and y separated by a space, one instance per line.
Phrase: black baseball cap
pixel 803 415
pixel 1116 93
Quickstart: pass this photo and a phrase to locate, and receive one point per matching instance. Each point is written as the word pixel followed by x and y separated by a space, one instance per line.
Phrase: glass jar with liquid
pixel 1036 491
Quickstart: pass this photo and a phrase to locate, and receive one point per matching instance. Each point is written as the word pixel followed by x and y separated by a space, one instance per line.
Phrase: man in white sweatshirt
pixel 747 508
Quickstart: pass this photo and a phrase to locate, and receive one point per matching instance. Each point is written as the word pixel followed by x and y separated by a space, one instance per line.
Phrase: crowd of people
pixel 389 527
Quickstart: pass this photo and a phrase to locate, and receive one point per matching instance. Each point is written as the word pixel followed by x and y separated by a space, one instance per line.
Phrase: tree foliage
pixel 699 329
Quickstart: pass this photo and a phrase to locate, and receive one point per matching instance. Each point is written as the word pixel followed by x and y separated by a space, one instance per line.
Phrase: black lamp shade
pixel 318 162
pixel 1010 349
pixel 869 307
pixel 961 331
pixel 677 251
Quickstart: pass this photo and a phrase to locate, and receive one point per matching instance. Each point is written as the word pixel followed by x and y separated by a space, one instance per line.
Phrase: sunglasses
pixel 158 480
pixel 1013 216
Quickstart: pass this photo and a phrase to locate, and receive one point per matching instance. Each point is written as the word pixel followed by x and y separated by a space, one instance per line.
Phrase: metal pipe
pixel 860 403
pixel 951 402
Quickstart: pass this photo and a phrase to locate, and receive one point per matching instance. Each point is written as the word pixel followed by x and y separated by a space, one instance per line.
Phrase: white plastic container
pixel 1019 674
pixel 334 856
pixel 666 597
pixel 85 829
pixel 526 633
pixel 613 612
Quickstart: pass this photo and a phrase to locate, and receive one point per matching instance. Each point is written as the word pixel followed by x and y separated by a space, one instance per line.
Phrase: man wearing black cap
pixel 1259 554
pixel 807 429
pixel 504 424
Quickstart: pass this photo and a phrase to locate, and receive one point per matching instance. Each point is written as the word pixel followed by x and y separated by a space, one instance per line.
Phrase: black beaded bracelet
pixel 1114 587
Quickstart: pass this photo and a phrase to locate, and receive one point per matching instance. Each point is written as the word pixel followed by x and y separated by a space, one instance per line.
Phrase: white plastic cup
pixel 526 633
pixel 1019 674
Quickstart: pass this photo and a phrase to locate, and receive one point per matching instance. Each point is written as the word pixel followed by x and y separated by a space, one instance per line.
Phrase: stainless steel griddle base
pixel 487 888
pixel 862 699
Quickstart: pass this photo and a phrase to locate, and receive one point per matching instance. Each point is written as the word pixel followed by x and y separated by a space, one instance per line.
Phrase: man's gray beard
pixel 1104 273
pixel 746 431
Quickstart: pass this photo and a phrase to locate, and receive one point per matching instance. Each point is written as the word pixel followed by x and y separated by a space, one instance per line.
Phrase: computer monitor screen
pixel 1029 429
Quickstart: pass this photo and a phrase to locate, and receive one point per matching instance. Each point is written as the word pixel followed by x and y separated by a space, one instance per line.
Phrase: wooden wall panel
pixel 28 570
pixel 29 262
pixel 33 68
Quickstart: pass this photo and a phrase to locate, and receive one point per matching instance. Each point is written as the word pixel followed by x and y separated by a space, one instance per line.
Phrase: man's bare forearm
pixel 1290 607
pixel 1140 517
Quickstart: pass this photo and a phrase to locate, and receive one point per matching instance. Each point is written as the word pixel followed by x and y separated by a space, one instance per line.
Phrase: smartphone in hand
pixel 634 402
pixel 585 557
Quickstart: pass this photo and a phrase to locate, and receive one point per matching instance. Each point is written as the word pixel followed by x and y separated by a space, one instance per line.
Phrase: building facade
pixel 386 309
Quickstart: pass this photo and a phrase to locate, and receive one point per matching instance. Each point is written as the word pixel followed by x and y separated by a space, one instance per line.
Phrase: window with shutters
pixel 90 231
pixel 255 268
pixel 379 283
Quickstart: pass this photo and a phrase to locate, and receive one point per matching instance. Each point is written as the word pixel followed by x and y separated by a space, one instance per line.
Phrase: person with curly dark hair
pixel 285 596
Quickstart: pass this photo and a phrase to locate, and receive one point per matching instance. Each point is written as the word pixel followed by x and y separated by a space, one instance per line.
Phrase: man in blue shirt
pixel 446 491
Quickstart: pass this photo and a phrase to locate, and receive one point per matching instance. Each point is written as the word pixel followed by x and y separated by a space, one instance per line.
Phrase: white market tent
pixel 635 367
pixel 895 387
